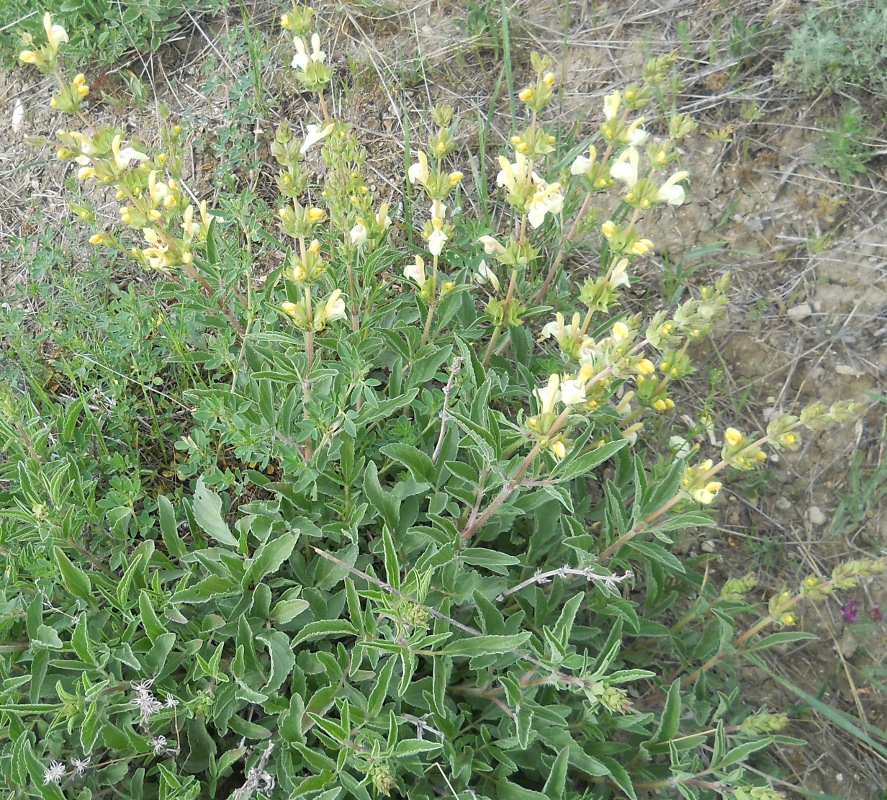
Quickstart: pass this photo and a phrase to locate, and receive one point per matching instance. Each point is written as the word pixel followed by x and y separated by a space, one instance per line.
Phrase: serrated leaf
pixel 208 514
pixel 380 690
pixel 670 721
pixel 384 408
pixel 485 645
pixel 579 465
pixel 80 642
pixel 269 557
pixel 47 637
pixel 168 528
pixel 76 580
pixel 413 747
pixel 742 752
pixel 556 782
pixel 782 637
pixel 287 610
pixel 418 463
pixel 324 629
pixel 150 621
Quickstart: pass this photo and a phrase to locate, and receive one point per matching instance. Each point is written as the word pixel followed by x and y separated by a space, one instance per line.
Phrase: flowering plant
pixel 399 462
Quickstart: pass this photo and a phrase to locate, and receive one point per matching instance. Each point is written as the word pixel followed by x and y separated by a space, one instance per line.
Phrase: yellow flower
pixel 641 246
pixel 526 94
pixel 55 34
pixel 620 331
pixel 707 493
pixel 558 449
pixel 28 57
pixel 122 156
pixel 733 437
pixel 645 367
pixel 97 238
pixel 79 84
pixel 788 618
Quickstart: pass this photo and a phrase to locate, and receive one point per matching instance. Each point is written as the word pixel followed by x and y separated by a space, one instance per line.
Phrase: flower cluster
pixel 435 181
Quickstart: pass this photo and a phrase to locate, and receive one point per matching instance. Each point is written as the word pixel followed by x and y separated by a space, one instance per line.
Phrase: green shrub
pixel 100 29
pixel 389 520
pixel 840 47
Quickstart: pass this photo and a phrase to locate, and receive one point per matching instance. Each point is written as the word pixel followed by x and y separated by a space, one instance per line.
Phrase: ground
pixel 808 315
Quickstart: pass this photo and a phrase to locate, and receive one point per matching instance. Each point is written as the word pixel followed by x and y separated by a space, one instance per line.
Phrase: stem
pixel 432 304
pixel 558 259
pixel 309 352
pixel 510 485
pixel 498 329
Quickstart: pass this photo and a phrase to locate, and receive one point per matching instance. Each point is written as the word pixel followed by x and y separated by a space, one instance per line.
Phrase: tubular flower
pixel 626 167
pixel 611 106
pixel 559 330
pixel 314 135
pixel 491 246
pixel 619 275
pixel 573 390
pixel 550 395
pixel 419 171
pixel 123 157
pixel 55 34
pixel 358 233
pixel 436 239
pixel 546 200
pixel 302 59
pixel 416 272
pixel 486 275
pixel 512 175
pixel 333 309
pixel 619 332
pixel 583 164
pixel 671 191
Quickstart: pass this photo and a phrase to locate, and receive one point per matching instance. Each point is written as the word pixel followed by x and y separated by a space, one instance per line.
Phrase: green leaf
pixel 556 782
pixel 738 754
pixel 418 463
pixel 208 589
pixel 413 747
pixel 485 645
pixel 782 637
pixel 269 557
pixel 670 721
pixel 168 528
pixel 380 690
pixel 80 642
pixel 324 629
pixel 492 560
pixel 208 513
pixel 76 580
pixel 579 465
pixel 392 563
pixel 619 775
pixel 383 409
pixel 150 621
pixel 287 610
pixel 386 504
pixel 47 637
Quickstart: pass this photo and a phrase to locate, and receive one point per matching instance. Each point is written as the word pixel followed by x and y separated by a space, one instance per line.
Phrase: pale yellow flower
pixel 55 34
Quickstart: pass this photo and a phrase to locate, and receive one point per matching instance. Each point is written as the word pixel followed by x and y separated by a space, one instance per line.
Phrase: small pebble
pixel 800 312
pixel 815 516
